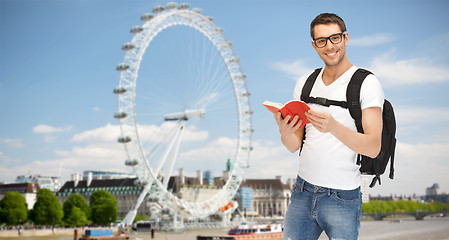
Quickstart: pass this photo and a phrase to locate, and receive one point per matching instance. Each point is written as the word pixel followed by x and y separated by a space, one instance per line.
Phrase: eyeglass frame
pixel 329 38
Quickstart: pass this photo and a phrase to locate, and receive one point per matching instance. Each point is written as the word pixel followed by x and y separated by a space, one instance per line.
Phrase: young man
pixel 326 196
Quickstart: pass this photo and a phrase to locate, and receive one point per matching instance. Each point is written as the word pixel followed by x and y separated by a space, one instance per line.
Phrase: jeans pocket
pixel 296 185
pixel 347 196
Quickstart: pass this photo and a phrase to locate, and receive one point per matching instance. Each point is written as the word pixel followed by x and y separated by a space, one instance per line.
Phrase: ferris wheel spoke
pixel 174 154
pixel 168 149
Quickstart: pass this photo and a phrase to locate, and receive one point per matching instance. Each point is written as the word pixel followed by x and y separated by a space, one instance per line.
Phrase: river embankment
pixel 395 229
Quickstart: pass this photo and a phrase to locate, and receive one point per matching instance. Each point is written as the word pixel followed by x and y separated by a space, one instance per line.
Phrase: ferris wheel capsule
pixel 152 198
pixel 122 67
pixel 119 90
pixel 233 60
pixel 158 9
pixel 147 17
pixel 120 115
pixel 246 94
pixel 136 29
pixel 141 182
pixel 125 139
pixel 131 162
pixel 128 46
pixel 197 10
pixel 239 76
pixel 171 5
pixel 183 6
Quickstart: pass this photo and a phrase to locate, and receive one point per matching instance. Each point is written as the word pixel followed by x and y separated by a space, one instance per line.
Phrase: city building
pixel 433 194
pixel 196 189
pixel 123 189
pixel 96 174
pixel 433 190
pixel 53 183
pixel 271 196
pixel 28 190
pixel 245 199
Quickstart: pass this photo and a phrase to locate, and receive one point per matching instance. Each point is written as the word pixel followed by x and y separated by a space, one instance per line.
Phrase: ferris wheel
pixel 183 105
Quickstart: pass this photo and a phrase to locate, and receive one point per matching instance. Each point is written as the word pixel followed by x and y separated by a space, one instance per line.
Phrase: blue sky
pixel 58 58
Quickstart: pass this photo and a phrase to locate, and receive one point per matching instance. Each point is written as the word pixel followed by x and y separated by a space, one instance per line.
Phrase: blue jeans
pixel 314 209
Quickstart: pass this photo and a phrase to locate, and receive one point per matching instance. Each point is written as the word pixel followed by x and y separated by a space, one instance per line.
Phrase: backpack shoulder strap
pixel 307 88
pixel 353 96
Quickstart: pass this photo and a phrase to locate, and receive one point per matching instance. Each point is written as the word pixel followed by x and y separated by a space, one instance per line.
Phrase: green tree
pixel 140 217
pixel 76 217
pixel 103 206
pixel 47 210
pixel 13 209
pixel 76 211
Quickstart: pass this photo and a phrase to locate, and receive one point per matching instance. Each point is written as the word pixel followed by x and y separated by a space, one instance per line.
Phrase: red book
pixel 292 108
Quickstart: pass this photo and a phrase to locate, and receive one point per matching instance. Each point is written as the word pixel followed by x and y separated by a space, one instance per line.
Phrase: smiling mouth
pixel 331 54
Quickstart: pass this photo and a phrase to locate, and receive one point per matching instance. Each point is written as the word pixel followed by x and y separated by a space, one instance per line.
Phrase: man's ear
pixel 346 36
pixel 313 45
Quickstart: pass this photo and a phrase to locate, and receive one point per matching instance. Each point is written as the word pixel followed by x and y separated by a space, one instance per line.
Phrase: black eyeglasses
pixel 334 38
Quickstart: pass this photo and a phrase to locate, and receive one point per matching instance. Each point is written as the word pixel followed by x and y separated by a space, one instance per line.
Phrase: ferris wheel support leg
pixel 129 218
pixel 173 156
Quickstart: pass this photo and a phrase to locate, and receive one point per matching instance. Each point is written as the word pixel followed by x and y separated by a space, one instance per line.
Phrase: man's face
pixel 332 54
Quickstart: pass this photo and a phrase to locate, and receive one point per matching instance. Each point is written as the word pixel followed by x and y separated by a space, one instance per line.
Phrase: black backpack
pixel 368 166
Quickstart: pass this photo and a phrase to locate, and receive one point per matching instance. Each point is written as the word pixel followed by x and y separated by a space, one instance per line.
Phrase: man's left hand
pixel 322 121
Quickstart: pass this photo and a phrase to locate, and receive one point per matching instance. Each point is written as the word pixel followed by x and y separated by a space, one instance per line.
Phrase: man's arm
pixel 291 134
pixel 367 144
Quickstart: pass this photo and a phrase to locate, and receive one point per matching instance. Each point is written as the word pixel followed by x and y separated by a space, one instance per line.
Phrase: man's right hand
pixel 286 127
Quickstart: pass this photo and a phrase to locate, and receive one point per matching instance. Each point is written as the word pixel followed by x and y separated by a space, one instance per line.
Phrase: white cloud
pixel 407 71
pixel 390 70
pixel 372 40
pixel 108 133
pixel 147 133
pixel 420 115
pixel 270 159
pixel 97 109
pixel 417 166
pixel 220 147
pixel 43 128
pixel 49 139
pixel 413 124
pixel 14 143
pixel 294 69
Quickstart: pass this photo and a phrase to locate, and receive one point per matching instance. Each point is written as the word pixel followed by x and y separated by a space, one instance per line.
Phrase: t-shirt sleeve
pixel 371 93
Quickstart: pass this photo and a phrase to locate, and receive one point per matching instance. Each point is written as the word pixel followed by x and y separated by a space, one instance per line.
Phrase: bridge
pixel 419 215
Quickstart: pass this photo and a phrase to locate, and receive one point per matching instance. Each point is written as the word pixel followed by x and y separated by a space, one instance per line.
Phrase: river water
pixel 406 229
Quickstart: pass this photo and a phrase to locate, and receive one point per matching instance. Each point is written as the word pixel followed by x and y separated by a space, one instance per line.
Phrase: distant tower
pixel 229 165
pixel 209 176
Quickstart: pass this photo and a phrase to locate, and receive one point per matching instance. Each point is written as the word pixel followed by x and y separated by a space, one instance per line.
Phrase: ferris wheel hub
pixel 184 115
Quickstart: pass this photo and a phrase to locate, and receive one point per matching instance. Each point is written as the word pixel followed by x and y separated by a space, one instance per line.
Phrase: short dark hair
pixel 327 18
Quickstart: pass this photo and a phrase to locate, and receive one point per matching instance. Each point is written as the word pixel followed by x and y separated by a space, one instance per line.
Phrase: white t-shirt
pixel 324 160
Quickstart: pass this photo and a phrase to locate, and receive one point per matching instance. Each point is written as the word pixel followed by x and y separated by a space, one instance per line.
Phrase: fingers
pixel 287 124
pixel 322 121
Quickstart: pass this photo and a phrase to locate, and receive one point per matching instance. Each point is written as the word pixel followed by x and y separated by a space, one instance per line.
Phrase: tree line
pixel 47 210
pixel 377 206
pixel 102 209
